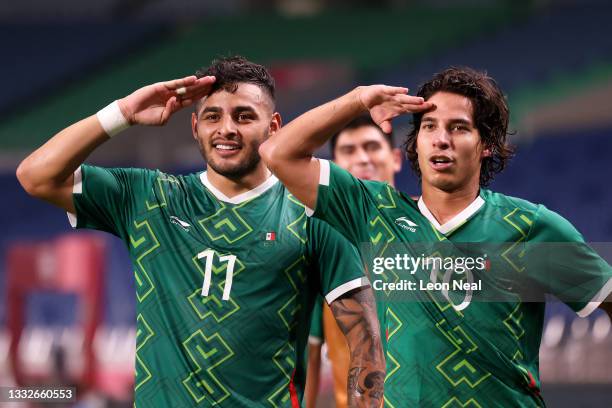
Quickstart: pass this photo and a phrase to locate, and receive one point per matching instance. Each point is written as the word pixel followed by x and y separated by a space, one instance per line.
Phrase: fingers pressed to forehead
pixel 200 85
pixel 177 83
pixel 206 80
pixel 393 90
pixel 415 100
pixel 416 107
pixel 194 92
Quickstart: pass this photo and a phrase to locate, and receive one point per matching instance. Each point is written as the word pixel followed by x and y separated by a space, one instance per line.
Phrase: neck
pixel 444 205
pixel 233 186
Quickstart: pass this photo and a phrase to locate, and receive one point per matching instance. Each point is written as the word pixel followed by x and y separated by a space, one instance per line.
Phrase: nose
pixel 361 156
pixel 442 139
pixel 226 127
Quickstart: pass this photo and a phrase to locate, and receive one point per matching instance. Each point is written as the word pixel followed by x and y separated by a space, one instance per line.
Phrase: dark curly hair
pixel 231 71
pixel 490 110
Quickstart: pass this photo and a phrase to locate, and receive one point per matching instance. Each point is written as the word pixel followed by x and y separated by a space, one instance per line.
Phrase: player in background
pixel 227 264
pixel 473 353
pixel 369 154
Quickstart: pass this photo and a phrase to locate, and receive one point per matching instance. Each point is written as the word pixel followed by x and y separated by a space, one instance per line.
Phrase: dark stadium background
pixel 66 59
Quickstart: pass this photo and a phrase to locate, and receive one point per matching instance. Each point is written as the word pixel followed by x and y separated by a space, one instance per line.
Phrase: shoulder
pixel 126 177
pixel 545 223
pixel 333 175
pixel 502 201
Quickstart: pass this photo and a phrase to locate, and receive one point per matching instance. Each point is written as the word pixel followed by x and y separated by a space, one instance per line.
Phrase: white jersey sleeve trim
pixel 77 188
pixel 346 287
pixel 323 180
pixel 72 219
pixel 314 340
pixel 324 172
pixel 597 299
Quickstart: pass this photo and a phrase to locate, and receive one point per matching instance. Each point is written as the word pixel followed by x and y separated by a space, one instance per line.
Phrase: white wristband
pixel 112 120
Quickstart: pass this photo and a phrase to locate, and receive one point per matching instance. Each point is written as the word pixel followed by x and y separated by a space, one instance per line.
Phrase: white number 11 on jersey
pixel 209 254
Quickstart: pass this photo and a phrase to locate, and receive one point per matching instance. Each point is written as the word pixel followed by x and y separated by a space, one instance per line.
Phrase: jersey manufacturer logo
pixel 177 221
pixel 406 224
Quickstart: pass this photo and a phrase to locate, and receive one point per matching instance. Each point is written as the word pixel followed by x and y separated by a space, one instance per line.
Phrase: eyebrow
pixel 344 146
pixel 243 108
pixel 452 121
pixel 211 109
pixel 461 121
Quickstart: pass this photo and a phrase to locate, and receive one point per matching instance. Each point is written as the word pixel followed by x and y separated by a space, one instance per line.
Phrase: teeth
pixel 226 147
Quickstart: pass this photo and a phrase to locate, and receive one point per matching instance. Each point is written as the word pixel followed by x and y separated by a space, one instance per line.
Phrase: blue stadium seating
pixel 528 52
pixel 41 57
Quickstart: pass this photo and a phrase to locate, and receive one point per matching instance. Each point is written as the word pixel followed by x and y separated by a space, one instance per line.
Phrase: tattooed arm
pixel 355 313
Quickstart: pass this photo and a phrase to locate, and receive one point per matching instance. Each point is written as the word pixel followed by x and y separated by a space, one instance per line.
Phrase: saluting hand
pixel 154 104
pixel 387 102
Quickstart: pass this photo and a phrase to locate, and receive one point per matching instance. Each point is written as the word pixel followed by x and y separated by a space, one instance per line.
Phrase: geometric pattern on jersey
pixel 480 356
pixel 206 353
pixel 225 287
pixel 226 224
pixel 143 242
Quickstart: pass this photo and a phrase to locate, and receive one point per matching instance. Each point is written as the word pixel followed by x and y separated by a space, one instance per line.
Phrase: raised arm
pixel 289 153
pixel 47 173
pixel 355 313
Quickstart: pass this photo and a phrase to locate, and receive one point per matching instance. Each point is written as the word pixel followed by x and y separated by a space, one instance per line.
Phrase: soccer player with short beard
pixel 447 350
pixel 227 264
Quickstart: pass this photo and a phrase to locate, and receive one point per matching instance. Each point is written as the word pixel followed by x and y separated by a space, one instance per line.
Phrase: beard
pixel 235 170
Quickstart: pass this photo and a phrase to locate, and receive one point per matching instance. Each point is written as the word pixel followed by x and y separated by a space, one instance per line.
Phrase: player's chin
pixel 443 181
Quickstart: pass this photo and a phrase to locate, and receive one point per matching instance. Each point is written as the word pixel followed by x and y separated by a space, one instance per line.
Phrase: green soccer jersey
pixel 224 286
pixel 469 353
pixel 316 325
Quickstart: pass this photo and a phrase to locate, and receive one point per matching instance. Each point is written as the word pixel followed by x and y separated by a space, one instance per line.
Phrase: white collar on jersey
pixel 242 197
pixel 454 222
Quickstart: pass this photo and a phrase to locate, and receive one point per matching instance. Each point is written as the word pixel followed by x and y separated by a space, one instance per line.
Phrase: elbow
pixel 23 174
pixel 26 177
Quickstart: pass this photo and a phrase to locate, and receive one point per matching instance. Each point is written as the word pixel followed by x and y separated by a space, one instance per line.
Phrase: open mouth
pixel 441 162
pixel 226 148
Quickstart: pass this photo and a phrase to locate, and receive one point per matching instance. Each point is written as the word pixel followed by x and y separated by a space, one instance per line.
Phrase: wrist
pixel 112 119
pixel 359 103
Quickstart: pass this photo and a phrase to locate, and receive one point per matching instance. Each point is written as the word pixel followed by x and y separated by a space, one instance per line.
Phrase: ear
pixel 397 160
pixel 275 123
pixel 194 125
pixel 486 152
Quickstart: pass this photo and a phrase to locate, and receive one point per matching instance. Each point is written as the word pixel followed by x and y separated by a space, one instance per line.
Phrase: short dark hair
pixel 360 121
pixel 232 71
pixel 490 115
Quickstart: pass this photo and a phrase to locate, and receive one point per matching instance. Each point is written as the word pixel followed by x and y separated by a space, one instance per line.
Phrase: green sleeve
pixel 106 199
pixel 564 265
pixel 316 324
pixel 346 202
pixel 339 265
